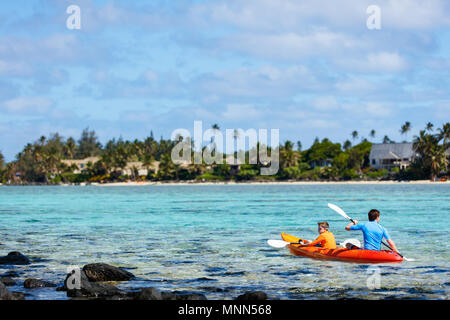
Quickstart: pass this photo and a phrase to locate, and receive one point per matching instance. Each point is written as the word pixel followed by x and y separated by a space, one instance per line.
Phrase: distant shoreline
pixel 178 183
pixel 210 183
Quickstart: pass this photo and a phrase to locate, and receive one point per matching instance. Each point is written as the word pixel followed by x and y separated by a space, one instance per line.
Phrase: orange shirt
pixel 325 240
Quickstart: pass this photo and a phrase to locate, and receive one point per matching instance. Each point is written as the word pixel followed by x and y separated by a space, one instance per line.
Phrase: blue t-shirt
pixel 373 234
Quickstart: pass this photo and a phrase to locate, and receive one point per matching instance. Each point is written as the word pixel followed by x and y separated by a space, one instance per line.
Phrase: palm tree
pixel 444 133
pixel 42 140
pixel 299 146
pixel 147 161
pixel 431 154
pixel 347 145
pixel 167 169
pixel 372 133
pixel 355 135
pixel 429 126
pixel 2 160
pixel 405 128
pixel 216 128
pixel 235 134
pixel 70 148
pixel 423 143
pixel 289 158
pixel 386 139
pixel 438 161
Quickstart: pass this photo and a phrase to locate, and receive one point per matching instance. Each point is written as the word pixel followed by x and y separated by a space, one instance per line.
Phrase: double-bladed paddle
pixel 280 243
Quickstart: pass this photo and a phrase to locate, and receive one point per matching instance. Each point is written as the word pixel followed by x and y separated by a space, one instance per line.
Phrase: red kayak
pixel 342 254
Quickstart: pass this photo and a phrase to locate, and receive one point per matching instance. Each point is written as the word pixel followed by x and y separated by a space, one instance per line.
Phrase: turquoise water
pixel 212 239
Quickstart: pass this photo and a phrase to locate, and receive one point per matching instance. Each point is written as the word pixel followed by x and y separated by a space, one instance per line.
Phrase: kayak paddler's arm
pixel 392 244
pixel 351 224
pixel 305 243
pixel 318 241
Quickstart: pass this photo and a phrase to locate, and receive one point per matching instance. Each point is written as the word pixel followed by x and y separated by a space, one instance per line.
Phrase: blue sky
pixel 309 68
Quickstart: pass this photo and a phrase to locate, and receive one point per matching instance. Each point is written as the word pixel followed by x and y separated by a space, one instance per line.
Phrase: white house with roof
pixel 391 155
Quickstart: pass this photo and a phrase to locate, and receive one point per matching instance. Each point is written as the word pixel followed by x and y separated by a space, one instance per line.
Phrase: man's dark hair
pixel 373 214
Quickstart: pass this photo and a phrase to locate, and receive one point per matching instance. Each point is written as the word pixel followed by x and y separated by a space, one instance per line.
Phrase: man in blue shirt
pixel 372 231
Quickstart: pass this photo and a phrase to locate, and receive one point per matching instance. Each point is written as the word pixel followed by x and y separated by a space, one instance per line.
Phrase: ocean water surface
pixel 211 239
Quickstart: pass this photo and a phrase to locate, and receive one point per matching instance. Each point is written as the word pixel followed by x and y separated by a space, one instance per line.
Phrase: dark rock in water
pixel 193 296
pixel 10 274
pixel 253 295
pixel 154 294
pixel 119 297
pixel 18 296
pixel 104 272
pixel 82 287
pixel 37 283
pixel 148 294
pixel 212 289
pixel 168 296
pixel 15 258
pixel 7 281
pixel 3 290
pixel 6 295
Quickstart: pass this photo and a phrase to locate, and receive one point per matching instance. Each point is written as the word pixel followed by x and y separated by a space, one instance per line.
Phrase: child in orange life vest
pixel 325 239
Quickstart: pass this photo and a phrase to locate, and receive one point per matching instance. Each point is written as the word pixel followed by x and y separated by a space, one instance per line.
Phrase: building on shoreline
pixel 391 155
pixel 81 164
pixel 131 169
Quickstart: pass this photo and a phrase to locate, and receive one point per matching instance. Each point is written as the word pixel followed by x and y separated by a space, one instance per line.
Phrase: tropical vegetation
pixel 44 161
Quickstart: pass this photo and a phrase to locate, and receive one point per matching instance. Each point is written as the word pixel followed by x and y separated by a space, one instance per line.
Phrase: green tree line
pixel 42 160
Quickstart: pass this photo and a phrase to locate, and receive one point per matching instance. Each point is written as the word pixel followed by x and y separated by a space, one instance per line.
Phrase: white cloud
pixel 368 109
pixel 355 85
pixel 27 105
pixel 386 61
pixel 15 68
pixel 291 45
pixel 319 124
pixel 374 63
pixel 258 83
pixel 325 103
pixel 150 76
pixel 415 14
pixel 238 112
pixel 275 15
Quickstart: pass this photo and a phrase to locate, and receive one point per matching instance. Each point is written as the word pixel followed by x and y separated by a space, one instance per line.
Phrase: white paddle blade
pixel 354 242
pixel 277 243
pixel 338 210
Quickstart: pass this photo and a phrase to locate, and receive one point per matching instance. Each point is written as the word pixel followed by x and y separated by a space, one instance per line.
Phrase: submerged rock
pixel 7 281
pixel 3 290
pixel 154 294
pixel 253 295
pixel 148 294
pixel 98 272
pixel 15 258
pixel 193 296
pixel 82 287
pixel 37 283
pixel 168 296
pixel 6 295
pixel 10 274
